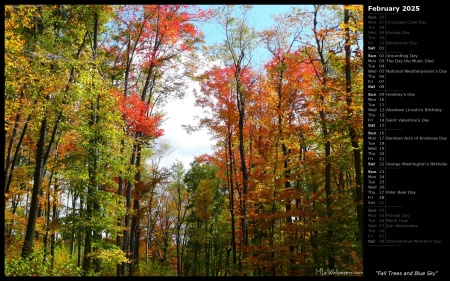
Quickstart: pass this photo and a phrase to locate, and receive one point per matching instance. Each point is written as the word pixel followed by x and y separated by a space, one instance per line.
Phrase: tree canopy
pixel 85 191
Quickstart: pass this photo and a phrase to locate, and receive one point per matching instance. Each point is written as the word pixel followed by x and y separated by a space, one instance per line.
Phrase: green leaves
pixel 97 76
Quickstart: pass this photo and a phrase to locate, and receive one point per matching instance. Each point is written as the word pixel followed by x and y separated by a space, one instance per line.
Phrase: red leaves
pixel 136 114
pixel 204 158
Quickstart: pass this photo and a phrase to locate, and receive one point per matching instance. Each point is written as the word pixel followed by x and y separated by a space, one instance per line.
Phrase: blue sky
pixel 260 15
pixel 184 146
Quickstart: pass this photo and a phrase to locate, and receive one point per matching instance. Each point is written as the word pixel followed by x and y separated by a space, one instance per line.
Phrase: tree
pixel 180 197
pixel 207 203
pixel 151 41
pixel 217 99
pixel 58 41
pixel 54 93
pixel 85 189
pixel 281 40
pixel 236 52
pixel 354 118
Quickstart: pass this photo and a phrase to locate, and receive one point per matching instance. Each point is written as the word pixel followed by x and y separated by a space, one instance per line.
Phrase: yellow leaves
pixel 351 27
pixel 203 198
pixel 356 18
pixel 114 255
pixel 20 222
pixel 21 183
pixel 40 224
pixel 354 8
pixel 16 17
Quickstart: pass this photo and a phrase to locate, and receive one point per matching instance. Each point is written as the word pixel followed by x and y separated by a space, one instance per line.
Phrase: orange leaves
pixel 136 114
pixel 156 25
pixel 218 94
pixel 69 143
pixel 216 90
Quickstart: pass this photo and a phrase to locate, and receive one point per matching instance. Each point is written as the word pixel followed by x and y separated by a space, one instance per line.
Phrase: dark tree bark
pixel 352 130
pixel 42 155
pixel 327 144
pixel 134 243
pixel 231 193
pixel 37 182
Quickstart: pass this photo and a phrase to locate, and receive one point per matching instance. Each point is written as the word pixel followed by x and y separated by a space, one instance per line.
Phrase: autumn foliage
pixel 137 117
pixel 85 191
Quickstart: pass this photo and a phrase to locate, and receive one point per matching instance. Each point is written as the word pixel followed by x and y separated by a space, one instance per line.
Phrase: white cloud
pixel 184 146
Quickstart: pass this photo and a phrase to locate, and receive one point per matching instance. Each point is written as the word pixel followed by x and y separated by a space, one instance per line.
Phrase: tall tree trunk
pixel 352 131
pixel 272 232
pixel 11 163
pixel 47 219
pixel 119 271
pixel 37 183
pixel 241 109
pixel 134 246
pixel 41 160
pixel 53 234
pixel 183 264
pixel 178 242
pixel 80 214
pixel 327 144
pixel 93 186
pixel 287 171
pixel 149 223
pixel 227 261
pixel 127 230
pixel 52 173
pixel 231 194
pixel 98 138
pixel 88 232
pixel 134 265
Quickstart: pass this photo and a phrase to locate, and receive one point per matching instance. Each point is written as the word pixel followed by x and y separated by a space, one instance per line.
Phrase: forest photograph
pixel 183 140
